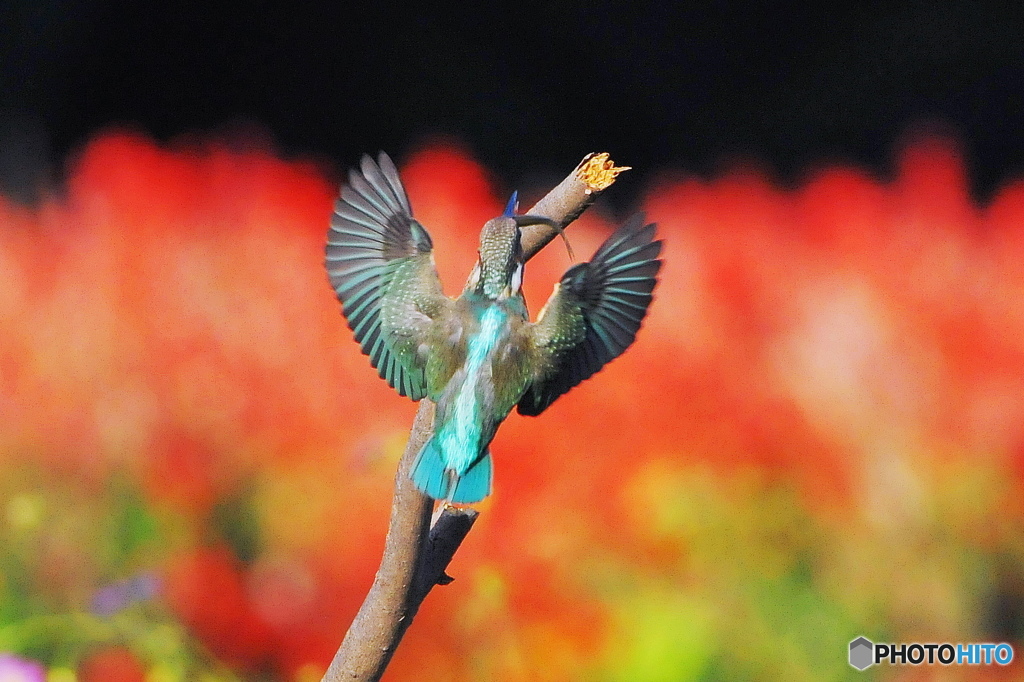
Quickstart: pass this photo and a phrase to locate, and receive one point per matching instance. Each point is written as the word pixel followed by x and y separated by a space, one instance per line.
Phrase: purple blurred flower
pixel 15 669
pixel 112 598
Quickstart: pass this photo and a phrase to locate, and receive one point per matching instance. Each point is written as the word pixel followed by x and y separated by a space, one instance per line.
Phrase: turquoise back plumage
pixel 461 429
pixel 455 464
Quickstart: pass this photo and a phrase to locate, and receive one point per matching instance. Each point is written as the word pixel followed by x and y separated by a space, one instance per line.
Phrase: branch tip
pixel 598 171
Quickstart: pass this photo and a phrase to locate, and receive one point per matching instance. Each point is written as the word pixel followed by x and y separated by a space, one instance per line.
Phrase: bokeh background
pixel 819 433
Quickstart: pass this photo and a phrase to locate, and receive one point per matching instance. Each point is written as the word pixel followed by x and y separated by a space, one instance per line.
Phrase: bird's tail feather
pixel 429 472
pixel 475 484
pixel 430 475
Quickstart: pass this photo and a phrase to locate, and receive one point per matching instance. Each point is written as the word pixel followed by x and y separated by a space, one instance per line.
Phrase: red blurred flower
pixel 112 664
pixel 207 589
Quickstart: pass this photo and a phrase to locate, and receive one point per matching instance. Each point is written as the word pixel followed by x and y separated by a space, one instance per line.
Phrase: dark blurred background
pixel 528 87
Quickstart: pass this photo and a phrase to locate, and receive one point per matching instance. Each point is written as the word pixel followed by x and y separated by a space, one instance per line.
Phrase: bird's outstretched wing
pixel 594 313
pixel 380 262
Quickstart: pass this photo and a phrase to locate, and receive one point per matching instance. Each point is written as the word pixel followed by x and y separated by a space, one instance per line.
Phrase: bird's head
pixel 499 269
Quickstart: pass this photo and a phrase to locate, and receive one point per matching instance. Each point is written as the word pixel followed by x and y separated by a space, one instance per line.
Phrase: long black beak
pixel 525 220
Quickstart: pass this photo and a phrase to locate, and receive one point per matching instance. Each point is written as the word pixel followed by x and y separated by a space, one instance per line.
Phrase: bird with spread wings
pixel 477 356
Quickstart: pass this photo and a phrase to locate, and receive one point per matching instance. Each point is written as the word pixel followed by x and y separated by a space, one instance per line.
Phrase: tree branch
pixel 416 554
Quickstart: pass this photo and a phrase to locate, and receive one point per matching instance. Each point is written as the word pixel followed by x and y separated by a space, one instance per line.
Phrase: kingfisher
pixel 479 355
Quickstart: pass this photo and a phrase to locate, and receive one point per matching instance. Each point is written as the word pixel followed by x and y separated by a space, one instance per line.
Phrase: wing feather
pixel 373 236
pixel 595 313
